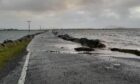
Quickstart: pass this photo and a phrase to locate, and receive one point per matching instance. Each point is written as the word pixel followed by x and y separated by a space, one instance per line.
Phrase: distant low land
pixel 17 29
pixel 72 29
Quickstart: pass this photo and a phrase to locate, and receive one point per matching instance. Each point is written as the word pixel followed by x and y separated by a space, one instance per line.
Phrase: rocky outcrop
pixel 7 42
pixel 84 49
pixel 84 41
pixel 136 52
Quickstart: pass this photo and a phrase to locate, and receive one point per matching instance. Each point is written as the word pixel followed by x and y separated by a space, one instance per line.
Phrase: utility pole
pixel 40 27
pixel 29 25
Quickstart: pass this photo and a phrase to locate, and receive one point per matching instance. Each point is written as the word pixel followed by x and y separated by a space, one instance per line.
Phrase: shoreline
pixel 90 44
pixel 45 67
pixel 12 52
pixel 86 44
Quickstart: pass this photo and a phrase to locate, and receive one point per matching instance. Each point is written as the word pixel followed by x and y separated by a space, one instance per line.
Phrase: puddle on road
pixel 69 48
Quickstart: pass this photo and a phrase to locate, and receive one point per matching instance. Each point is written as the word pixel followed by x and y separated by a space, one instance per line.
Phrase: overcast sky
pixel 70 13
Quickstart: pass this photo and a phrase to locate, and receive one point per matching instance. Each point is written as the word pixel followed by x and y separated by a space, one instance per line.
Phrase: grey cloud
pixel 93 6
pixel 31 5
pixel 66 12
pixel 119 6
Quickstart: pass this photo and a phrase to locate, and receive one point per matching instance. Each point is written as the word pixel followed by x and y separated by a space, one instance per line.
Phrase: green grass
pixel 11 51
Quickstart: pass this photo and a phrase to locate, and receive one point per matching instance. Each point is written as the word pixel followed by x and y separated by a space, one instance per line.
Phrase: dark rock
pixel 8 41
pixel 54 32
pixel 83 41
pixel 62 47
pixel 3 45
pixel 20 40
pixel 84 49
pixel 91 43
pixel 65 37
pixel 136 52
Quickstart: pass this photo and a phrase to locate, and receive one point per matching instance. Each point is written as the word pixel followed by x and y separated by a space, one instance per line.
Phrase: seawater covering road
pixel 54 61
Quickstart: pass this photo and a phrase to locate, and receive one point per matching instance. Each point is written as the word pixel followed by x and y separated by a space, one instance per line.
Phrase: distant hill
pixel 115 27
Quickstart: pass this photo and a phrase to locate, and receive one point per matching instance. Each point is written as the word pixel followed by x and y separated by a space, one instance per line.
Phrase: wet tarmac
pixel 54 61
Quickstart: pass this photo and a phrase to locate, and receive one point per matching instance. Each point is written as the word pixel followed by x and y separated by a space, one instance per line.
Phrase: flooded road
pixel 54 61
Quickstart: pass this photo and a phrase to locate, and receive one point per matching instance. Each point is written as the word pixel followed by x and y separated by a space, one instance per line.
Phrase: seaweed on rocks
pixel 84 41
pixel 136 52
pixel 91 43
pixel 83 49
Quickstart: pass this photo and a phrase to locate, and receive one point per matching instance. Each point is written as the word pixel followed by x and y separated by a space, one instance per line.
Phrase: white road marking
pixel 24 70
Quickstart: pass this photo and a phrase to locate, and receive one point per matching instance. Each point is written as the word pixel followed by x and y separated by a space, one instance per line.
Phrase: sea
pixel 14 34
pixel 113 38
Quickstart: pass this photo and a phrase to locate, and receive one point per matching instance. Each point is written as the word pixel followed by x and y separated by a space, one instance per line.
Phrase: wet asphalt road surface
pixel 54 61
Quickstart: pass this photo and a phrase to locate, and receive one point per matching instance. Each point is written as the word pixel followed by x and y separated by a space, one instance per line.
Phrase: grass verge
pixel 11 50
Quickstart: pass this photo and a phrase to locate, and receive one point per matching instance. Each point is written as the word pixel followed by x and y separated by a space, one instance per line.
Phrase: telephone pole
pixel 29 25
pixel 40 27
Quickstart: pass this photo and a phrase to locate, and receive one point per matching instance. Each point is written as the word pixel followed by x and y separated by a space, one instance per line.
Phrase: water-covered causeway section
pixel 54 61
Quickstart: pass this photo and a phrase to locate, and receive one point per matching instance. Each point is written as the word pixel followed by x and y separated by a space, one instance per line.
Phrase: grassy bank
pixel 11 53
pixel 10 50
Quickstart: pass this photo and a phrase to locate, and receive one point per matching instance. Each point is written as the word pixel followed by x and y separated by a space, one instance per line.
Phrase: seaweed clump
pixel 136 52
pixel 84 49
pixel 84 41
